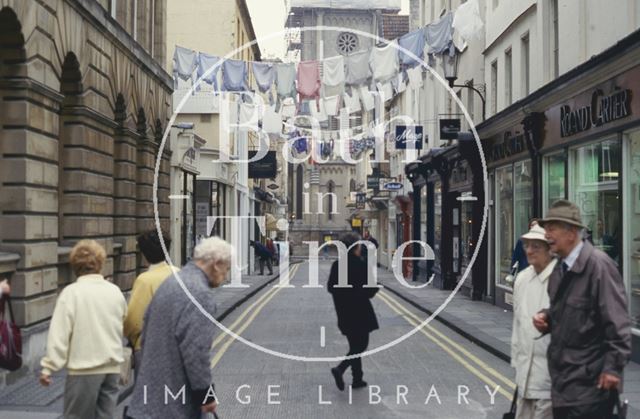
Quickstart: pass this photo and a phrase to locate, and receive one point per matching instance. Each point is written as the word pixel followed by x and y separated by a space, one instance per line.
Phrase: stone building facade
pixel 84 102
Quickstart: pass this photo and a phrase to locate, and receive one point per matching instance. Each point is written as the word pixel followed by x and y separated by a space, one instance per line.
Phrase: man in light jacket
pixel 588 320
pixel 529 354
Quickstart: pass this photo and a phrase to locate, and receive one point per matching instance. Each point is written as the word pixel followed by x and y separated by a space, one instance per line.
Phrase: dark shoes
pixel 359 384
pixel 337 375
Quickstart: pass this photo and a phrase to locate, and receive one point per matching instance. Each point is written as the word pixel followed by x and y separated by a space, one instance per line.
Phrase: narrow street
pixel 433 361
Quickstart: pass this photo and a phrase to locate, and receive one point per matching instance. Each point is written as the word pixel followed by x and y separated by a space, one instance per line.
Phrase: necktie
pixel 565 268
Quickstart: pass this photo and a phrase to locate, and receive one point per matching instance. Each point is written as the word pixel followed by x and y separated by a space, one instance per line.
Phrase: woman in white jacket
pixel 528 349
pixel 85 337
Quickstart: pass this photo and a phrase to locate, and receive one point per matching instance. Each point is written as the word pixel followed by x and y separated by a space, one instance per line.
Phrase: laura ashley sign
pixel 602 110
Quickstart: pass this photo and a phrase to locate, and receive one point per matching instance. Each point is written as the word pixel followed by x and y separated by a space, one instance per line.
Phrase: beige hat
pixel 565 212
pixel 536 233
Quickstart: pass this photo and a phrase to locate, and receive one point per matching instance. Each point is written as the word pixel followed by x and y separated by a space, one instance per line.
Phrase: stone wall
pixel 82 110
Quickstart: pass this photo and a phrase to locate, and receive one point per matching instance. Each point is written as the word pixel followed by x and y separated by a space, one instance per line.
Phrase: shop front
pixel 577 138
pixel 448 193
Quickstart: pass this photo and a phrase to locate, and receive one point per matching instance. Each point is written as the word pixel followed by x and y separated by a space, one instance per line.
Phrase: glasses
pixel 533 246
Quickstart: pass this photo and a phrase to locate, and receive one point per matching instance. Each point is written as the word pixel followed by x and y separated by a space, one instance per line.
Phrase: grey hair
pixel 213 248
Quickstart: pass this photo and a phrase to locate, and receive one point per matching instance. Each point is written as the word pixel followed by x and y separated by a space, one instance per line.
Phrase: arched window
pixel 352 185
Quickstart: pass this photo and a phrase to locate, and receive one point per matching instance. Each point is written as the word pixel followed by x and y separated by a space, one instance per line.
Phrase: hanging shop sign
pixel 361 199
pixel 449 129
pixel 392 186
pixel 409 136
pixel 356 222
pixel 373 182
pixel 265 168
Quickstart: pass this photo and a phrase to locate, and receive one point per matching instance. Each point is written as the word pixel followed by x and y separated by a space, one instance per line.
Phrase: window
pixel 331 202
pixel 152 25
pixel 494 87
pixel 470 101
pixel 554 175
pixel 525 64
pixel 508 78
pixel 504 222
pixel 632 193
pixel 555 39
pixel 134 19
pixel 595 173
pixel 347 43
pixel 112 8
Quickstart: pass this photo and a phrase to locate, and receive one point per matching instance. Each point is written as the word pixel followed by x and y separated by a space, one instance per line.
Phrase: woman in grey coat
pixel 175 380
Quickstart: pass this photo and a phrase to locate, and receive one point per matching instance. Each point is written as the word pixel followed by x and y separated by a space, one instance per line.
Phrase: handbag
pixel 619 406
pixel 125 367
pixel 511 414
pixel 10 337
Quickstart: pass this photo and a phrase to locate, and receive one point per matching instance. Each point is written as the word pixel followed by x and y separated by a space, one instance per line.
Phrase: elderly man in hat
pixel 587 318
pixel 528 354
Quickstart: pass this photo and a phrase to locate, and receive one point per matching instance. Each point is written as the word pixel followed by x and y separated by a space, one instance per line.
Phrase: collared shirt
pixel 573 256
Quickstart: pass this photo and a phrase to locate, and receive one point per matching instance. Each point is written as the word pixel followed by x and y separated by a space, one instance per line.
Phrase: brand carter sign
pixel 601 111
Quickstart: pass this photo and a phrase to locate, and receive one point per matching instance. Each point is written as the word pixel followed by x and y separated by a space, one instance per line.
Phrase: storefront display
pixel 595 171
pixel 632 193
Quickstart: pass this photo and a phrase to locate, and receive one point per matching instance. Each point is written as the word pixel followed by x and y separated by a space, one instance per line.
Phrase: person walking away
pixel 145 286
pixel 529 354
pixel 177 339
pixel 85 336
pixel 587 318
pixel 356 317
pixel 264 256
pixel 5 288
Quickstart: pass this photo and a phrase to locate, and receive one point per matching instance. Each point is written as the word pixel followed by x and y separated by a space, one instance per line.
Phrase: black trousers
pixel 262 262
pixel 358 343
pixel 600 410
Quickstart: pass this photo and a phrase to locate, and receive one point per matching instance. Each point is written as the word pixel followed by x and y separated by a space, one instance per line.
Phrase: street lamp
pixel 450 66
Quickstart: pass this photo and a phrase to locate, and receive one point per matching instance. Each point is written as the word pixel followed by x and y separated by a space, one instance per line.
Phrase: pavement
pixel 27 399
pixel 485 325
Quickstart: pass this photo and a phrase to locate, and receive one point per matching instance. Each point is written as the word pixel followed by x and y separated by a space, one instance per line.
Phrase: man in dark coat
pixel 264 256
pixel 587 318
pixel 356 318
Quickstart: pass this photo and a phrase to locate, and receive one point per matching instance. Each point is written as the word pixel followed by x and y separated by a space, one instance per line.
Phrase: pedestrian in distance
pixel 529 354
pixel 177 339
pixel 356 317
pixel 145 286
pixel 519 260
pixel 264 256
pixel 587 319
pixel 85 337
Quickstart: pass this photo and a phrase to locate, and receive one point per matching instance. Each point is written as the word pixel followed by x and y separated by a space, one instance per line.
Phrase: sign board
pixel 373 182
pixel 449 129
pixel 356 222
pixel 409 136
pixel 361 199
pixel 391 186
pixel 264 168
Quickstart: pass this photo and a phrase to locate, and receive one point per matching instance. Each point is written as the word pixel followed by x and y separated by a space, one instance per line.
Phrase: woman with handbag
pixel 85 336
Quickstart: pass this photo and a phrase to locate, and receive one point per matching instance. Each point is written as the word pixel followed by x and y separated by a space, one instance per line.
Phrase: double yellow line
pixel 471 362
pixel 238 328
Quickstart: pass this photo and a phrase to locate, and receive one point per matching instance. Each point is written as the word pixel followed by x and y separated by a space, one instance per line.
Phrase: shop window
pixel 554 175
pixel 437 221
pixel 523 198
pixel 632 226
pixel 504 222
pixel 595 189
pixel 466 227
